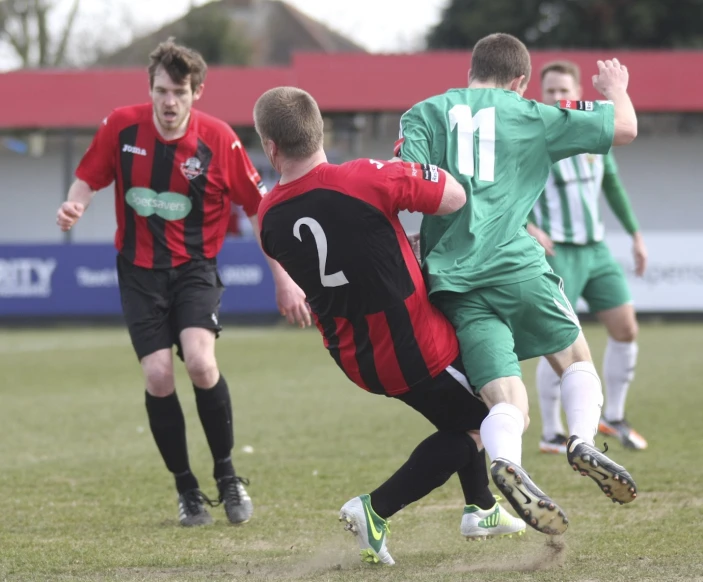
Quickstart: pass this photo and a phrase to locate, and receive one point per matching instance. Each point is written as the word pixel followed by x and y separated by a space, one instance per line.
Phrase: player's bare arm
pixel 290 298
pixel 454 196
pixel 79 197
pixel 611 82
pixel 639 252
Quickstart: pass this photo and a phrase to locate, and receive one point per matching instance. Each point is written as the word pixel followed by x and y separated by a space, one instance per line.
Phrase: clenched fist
pixel 68 214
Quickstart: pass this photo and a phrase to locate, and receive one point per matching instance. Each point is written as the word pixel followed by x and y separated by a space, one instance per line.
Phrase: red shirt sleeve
pixel 97 167
pixel 245 186
pixel 415 187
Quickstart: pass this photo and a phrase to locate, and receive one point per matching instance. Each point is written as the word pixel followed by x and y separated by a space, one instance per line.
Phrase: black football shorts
pixel 160 303
pixel 447 400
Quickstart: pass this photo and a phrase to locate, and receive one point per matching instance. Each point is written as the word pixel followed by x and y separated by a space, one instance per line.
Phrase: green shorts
pixel 591 272
pixel 499 326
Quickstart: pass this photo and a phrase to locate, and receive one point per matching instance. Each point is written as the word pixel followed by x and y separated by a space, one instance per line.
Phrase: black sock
pixel 474 480
pixel 215 411
pixel 431 464
pixel 169 429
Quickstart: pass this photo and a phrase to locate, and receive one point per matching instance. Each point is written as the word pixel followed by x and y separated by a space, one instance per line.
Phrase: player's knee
pixel 626 332
pixel 202 369
pixel 576 352
pixel 159 379
pixel 526 418
pixel 158 373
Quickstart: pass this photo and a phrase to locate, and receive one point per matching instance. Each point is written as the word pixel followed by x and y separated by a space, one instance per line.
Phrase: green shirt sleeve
pixel 616 196
pixel 415 140
pixel 588 128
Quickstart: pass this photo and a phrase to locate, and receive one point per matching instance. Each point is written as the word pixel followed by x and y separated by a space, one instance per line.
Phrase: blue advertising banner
pixel 81 280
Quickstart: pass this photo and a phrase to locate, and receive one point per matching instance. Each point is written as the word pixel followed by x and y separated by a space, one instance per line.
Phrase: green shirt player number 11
pixel 500 147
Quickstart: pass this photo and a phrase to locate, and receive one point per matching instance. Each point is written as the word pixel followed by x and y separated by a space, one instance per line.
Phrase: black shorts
pixel 448 401
pixel 160 303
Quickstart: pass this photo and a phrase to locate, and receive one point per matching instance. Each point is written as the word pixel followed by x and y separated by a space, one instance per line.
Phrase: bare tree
pixel 100 30
pixel 24 25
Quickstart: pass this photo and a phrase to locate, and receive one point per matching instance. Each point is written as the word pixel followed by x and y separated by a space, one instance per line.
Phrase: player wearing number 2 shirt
pixel 362 280
pixel 335 230
pixel 490 277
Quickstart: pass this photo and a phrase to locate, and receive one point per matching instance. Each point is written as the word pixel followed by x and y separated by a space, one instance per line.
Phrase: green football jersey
pixel 500 147
pixel 568 209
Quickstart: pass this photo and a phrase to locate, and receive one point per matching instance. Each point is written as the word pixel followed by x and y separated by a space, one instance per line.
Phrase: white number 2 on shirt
pixel 485 122
pixel 335 279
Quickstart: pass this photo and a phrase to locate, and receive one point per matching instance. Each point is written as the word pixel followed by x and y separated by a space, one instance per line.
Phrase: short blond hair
pixel 563 68
pixel 291 119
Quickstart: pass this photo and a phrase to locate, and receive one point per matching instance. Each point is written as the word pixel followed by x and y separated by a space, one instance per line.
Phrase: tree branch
pixel 14 27
pixel 25 43
pixel 42 41
pixel 60 54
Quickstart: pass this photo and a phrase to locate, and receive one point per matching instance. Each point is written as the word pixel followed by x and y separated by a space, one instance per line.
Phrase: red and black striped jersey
pixel 172 198
pixel 336 232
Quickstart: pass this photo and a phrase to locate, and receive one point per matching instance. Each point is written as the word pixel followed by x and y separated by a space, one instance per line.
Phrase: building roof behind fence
pixel 341 82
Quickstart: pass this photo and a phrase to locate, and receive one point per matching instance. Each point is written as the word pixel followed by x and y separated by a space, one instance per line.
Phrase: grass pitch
pixel 84 494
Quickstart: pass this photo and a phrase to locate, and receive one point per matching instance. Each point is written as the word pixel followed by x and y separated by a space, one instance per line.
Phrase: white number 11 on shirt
pixel 485 122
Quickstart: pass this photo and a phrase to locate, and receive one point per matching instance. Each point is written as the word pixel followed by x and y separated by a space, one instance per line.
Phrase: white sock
pixel 618 371
pixel 549 390
pixel 501 433
pixel 582 396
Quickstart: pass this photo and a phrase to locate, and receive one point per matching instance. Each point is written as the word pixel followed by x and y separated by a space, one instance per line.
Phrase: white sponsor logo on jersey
pixel 434 174
pixel 134 150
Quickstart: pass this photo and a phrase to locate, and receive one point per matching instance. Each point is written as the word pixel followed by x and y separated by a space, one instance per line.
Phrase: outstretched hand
pixel 612 77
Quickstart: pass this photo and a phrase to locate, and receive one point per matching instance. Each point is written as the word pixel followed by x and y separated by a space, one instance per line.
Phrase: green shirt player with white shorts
pixel 490 277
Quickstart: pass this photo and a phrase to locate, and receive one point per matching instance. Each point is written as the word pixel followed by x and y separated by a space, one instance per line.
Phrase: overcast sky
pixel 377 25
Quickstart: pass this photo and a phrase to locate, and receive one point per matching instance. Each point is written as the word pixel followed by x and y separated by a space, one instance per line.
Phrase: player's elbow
pixel 452 201
pixel 625 133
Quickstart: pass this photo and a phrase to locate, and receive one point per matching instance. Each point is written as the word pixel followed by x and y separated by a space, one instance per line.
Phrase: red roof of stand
pixel 660 81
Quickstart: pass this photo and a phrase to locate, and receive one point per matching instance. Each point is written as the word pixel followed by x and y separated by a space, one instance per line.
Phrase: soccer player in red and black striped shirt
pixel 176 172
pixel 335 229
